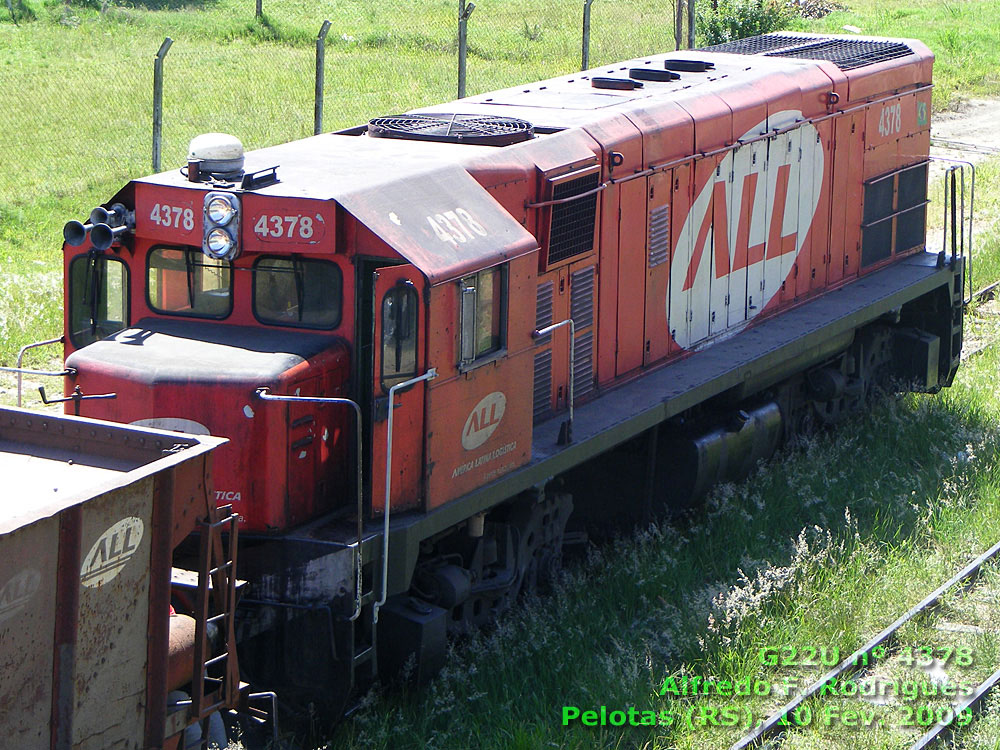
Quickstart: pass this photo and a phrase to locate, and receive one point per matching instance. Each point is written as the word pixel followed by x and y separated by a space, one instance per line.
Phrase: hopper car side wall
pixel 85 566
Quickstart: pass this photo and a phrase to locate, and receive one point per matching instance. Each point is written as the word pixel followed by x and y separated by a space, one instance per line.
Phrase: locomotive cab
pixel 216 291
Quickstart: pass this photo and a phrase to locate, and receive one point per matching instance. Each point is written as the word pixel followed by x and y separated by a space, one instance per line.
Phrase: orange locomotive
pixel 666 267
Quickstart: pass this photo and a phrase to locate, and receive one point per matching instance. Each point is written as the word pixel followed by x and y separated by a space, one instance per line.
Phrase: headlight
pixel 221 238
pixel 220 210
pixel 219 243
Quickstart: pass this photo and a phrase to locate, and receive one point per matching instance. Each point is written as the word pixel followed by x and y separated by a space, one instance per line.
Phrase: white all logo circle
pixel 483 420
pixel 111 551
pixel 766 194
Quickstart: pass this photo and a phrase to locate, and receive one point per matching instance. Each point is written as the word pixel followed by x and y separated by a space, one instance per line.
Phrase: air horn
pixel 104 226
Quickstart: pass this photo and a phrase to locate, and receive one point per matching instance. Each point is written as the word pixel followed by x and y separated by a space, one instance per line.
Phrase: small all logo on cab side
pixel 484 420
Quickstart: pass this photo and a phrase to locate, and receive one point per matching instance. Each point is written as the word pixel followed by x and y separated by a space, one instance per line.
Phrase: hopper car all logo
pixel 18 591
pixel 111 552
pixel 765 197
pixel 484 420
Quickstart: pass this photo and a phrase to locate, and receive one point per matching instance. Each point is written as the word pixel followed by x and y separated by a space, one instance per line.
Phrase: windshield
pixel 297 292
pixel 184 281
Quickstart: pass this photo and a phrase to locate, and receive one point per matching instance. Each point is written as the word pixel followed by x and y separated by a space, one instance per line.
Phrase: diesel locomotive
pixel 444 343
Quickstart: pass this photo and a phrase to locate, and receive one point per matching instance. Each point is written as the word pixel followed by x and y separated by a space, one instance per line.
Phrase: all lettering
pixel 746 226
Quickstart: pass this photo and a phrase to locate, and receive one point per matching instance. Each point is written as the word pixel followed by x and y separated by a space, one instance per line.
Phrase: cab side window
pixel 98 298
pixel 483 314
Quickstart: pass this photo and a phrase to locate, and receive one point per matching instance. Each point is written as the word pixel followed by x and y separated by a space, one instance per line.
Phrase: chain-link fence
pixel 77 112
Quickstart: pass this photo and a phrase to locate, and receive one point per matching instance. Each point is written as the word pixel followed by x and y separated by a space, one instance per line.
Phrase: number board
pixel 174 216
pixel 269 222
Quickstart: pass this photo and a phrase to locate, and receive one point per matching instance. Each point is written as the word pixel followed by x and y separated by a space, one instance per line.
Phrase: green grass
pixel 824 547
pixel 76 87
pixel 961 33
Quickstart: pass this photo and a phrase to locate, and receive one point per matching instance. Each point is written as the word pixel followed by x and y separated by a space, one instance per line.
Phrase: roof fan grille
pixel 755 45
pixel 848 54
pixel 481 130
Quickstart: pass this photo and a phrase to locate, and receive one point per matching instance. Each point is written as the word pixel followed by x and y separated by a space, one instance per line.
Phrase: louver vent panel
pixel 583 367
pixel 581 306
pixel 659 235
pixel 756 45
pixel 543 310
pixel 543 383
pixel 847 54
pixel 572 228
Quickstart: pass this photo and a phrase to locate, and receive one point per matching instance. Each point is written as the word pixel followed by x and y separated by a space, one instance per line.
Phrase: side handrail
pixel 958 165
pixel 429 375
pixel 265 395
pixel 565 437
pixel 41 373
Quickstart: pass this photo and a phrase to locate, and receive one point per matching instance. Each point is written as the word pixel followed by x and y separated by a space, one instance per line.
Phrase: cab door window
pixel 98 298
pixel 399 335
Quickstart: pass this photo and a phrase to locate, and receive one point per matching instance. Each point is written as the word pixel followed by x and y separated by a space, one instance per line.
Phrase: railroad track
pixel 987 293
pixel 954 717
pixel 768 734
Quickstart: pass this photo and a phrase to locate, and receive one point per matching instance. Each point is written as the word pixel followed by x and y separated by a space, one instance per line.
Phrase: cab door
pixel 398 347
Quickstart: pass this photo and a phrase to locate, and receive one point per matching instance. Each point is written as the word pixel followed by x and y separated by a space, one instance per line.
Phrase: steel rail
pixel 973 702
pixel 976 148
pixel 987 291
pixel 777 723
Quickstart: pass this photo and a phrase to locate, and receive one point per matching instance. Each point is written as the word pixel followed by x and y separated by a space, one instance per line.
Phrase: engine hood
pixel 157 352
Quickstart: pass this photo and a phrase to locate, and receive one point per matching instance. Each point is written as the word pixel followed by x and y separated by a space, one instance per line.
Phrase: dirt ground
pixel 969 134
pixel 973 123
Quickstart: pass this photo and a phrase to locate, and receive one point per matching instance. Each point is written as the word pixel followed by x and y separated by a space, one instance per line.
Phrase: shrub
pixel 726 20
pixel 19 10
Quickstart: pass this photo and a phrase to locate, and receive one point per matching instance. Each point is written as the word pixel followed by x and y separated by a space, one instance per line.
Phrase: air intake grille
pixel 848 54
pixel 572 231
pixel 756 45
pixel 543 383
pixel 583 366
pixel 659 235
pixel 543 310
pixel 481 130
pixel 581 305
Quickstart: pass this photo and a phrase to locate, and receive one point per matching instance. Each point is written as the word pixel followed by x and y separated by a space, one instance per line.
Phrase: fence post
pixel 464 11
pixel 320 67
pixel 585 57
pixel 690 4
pixel 260 9
pixel 678 24
pixel 158 102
